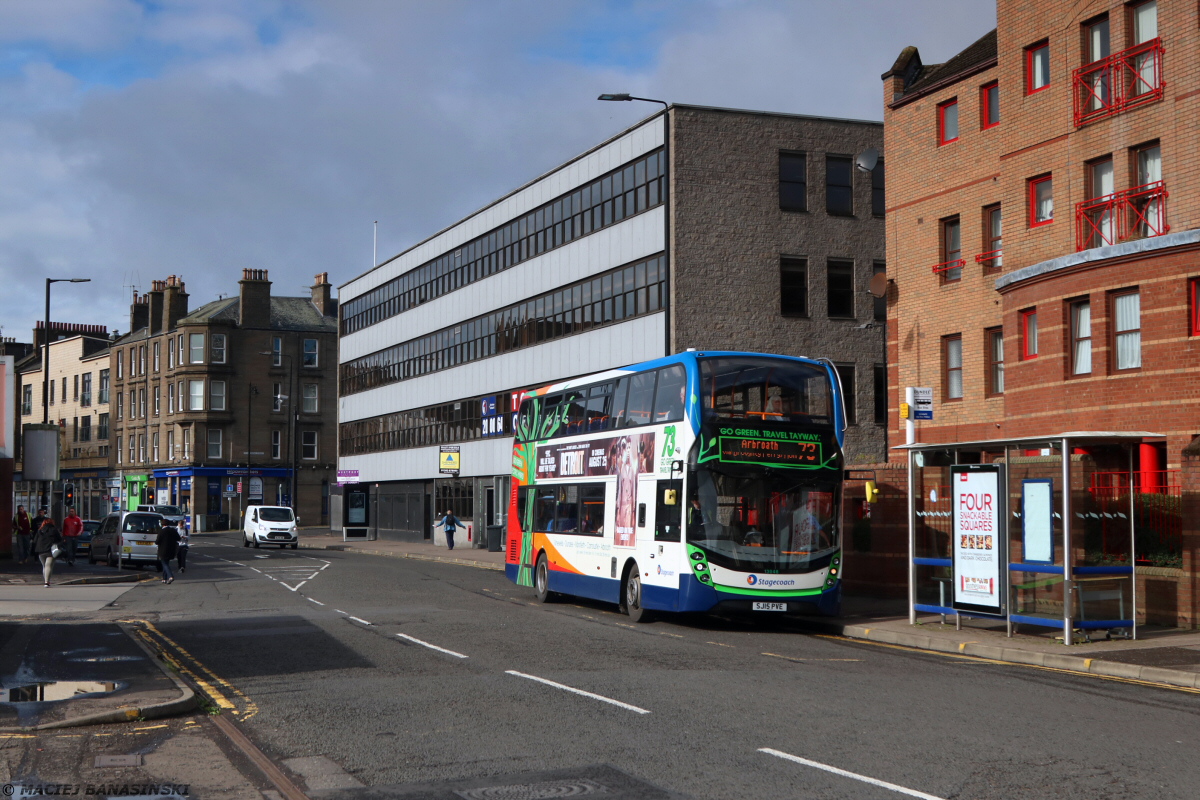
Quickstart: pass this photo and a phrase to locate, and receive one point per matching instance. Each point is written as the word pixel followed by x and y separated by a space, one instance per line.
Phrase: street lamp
pixel 666 193
pixel 46 363
pixel 293 416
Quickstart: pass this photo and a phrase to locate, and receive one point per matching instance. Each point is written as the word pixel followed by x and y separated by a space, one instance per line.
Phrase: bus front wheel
pixel 632 596
pixel 541 580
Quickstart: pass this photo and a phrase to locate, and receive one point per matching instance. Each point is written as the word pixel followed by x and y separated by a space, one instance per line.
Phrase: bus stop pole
pixel 1068 581
pixel 912 546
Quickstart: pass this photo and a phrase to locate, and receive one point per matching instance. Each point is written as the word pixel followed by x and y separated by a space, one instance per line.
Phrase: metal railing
pixel 992 259
pixel 1157 509
pixel 1118 82
pixel 946 269
pixel 1137 213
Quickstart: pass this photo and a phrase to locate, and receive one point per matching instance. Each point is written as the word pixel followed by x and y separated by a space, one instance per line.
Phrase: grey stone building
pixel 708 228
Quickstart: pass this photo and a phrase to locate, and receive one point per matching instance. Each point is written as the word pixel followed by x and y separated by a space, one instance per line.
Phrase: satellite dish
pixel 867 159
pixel 878 284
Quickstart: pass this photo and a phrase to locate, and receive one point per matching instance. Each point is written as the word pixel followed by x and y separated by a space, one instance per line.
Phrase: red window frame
pixel 1030 53
pixel 985 105
pixel 1194 307
pixel 1034 222
pixel 1027 316
pixel 941 121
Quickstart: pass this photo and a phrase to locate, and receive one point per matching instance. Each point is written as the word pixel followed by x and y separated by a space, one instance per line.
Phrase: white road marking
pixel 318 602
pixel 262 556
pixel 356 619
pixel 259 571
pixel 430 646
pixel 292 588
pixel 340 611
pixel 873 781
pixel 565 688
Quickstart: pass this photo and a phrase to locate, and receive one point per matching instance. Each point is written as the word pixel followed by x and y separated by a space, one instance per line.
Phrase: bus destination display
pixel 779 448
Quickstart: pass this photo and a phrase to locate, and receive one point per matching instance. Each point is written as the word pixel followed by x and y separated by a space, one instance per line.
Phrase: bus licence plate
pixel 770 606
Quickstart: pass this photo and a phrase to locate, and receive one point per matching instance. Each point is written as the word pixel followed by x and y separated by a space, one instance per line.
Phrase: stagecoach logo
pixel 769 583
pixel 668 572
pixel 751 579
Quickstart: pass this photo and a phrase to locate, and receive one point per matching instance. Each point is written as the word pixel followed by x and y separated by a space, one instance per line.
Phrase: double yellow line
pixel 214 686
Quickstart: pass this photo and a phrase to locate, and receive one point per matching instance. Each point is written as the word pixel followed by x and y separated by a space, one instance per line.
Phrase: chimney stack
pixel 156 305
pixel 175 303
pixel 139 312
pixel 322 297
pixel 254 293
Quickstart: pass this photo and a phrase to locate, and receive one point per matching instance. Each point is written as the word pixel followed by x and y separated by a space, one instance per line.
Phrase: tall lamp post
pixel 293 416
pixel 46 362
pixel 666 194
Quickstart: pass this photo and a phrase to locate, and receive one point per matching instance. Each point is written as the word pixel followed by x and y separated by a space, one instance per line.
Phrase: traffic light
pixel 69 494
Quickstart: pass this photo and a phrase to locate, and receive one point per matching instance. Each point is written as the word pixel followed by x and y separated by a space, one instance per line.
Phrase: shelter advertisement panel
pixel 8 403
pixel 980 540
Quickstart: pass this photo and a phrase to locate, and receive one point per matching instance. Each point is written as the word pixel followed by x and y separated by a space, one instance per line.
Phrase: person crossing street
pixel 72 527
pixel 168 546
pixel 44 543
pixel 449 523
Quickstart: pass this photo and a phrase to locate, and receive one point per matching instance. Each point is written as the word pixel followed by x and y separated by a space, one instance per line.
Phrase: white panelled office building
pixel 740 230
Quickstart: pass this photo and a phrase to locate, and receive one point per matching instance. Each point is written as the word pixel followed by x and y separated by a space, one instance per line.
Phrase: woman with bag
pixel 168 546
pixel 47 545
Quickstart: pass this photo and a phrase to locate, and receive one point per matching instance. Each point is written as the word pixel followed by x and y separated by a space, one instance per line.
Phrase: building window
pixel 989 105
pixel 1081 337
pixel 308 445
pixel 1029 334
pixel 881 406
pixel 840 289
pixel 1127 330
pixel 182 354
pixel 120 364
pixel 105 384
pixel 120 405
pixel 878 197
pixel 1147 197
pixel 1097 83
pixel 102 427
pixel 850 397
pixel 157 397
pixel 170 354
pixel 85 428
pixel 64 389
pixel 993 342
pixel 1041 200
pixel 141 448
pixel 793 182
pixel 170 398
pixel 75 388
pixel 26 400
pixel 141 359
pixel 181 397
pixel 132 449
pixel 196 346
pixel 195 395
pixel 1037 67
pixel 216 395
pixel 276 448
pixel 154 447
pixel 53 383
pixel 218 348
pixel 952 262
pixel 85 391
pixel 839 187
pixel 992 257
pixel 947 121
pixel 277 397
pixel 1145 22
pixel 952 387
pixel 1193 308
pixel 1098 218
pixel 142 403
pixel 276 351
pixel 120 453
pixel 170 445
pixel 157 350
pixel 215 445
pixel 187 443
pixel 310 398
pixel 310 353
pixel 880 303
pixel 793 287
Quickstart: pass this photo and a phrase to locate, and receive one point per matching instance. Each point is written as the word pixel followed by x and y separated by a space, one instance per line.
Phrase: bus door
pixel 660 506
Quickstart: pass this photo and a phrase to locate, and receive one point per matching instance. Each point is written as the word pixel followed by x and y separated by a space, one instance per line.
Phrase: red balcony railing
pixel 1136 213
pixel 991 260
pixel 946 269
pixel 1118 82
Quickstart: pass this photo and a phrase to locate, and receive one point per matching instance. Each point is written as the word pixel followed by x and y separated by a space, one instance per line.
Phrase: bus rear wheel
pixel 632 596
pixel 541 580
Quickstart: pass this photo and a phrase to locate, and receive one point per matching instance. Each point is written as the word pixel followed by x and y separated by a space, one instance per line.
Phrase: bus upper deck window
pixel 669 398
pixel 641 399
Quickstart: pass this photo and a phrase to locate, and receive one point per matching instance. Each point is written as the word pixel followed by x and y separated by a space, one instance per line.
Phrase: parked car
pixel 127 537
pixel 84 544
pixel 173 513
pixel 270 525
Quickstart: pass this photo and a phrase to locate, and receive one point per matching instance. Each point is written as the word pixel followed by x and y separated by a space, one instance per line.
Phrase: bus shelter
pixel 1038 531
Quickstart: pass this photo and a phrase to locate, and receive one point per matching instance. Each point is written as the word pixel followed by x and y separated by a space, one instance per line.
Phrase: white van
pixel 270 525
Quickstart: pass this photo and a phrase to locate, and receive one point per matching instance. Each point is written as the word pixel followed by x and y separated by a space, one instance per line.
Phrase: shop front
pixel 214 498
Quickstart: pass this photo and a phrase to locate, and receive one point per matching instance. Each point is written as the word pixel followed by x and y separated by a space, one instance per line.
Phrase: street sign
pixel 239 491
pixel 922 403
pixel 229 489
pixel 345 476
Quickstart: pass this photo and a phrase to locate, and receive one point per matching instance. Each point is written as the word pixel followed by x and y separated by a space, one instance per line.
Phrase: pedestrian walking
pixel 449 523
pixel 182 551
pixel 46 542
pixel 22 527
pixel 168 547
pixel 72 527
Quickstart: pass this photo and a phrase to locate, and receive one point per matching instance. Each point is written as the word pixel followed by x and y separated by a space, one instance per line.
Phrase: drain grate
pixel 134 760
pixel 547 790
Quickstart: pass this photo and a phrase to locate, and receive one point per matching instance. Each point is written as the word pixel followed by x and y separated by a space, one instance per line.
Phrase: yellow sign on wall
pixel 449 460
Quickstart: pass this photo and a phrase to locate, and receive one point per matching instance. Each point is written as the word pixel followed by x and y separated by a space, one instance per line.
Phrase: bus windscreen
pixel 765 390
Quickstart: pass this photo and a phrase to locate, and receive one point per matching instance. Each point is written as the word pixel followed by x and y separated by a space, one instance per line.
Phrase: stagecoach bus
pixel 702 481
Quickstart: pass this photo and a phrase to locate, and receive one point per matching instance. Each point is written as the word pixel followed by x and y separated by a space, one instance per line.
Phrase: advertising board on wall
pixel 980 538
pixel 8 403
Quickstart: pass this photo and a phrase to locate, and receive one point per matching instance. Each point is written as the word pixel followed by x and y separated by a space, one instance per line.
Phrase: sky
pixel 147 138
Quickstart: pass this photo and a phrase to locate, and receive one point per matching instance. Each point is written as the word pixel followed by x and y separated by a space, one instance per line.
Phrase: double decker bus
pixel 697 482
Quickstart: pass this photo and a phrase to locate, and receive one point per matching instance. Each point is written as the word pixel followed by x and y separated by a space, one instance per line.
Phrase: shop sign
pixel 922 402
pixel 345 476
pixel 449 460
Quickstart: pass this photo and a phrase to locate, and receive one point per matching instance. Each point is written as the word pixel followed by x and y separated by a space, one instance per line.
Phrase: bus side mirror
pixel 872 492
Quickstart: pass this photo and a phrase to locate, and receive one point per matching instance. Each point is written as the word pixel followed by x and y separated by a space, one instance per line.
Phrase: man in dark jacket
pixel 43 544
pixel 168 543
pixel 22 528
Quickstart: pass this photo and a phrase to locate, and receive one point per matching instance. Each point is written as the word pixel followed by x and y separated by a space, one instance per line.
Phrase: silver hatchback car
pixel 127 537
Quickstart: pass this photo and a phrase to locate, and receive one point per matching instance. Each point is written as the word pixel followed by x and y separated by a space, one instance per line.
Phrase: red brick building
pixel 1043 224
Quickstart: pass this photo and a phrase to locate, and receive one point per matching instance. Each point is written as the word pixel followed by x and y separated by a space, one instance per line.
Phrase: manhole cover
pixel 578 787
pixel 134 760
